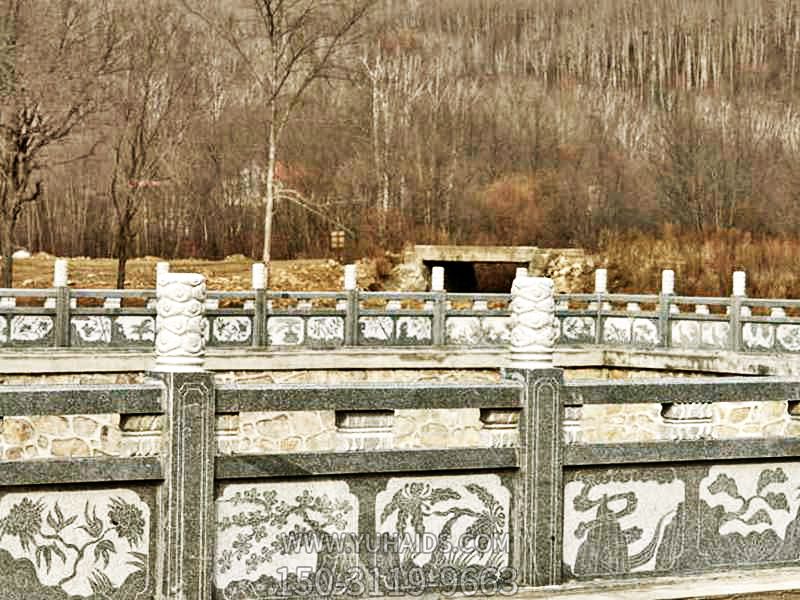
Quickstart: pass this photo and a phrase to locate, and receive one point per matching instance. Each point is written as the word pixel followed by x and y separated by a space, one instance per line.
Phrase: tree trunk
pixel 8 250
pixel 122 254
pixel 270 199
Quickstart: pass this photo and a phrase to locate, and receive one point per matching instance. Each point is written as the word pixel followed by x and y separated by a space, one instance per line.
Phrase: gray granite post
pixel 259 282
pixel 538 540
pixel 61 284
pixel 351 314
pixel 186 498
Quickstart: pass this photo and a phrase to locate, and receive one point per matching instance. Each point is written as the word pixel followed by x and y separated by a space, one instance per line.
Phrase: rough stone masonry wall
pixel 54 436
pixel 310 431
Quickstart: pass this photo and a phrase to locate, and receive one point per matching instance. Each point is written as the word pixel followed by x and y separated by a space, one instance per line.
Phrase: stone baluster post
pixel 600 304
pixel 481 305
pixel 665 306
pixel 259 283
pixel 48 302
pixel 161 268
pixel 112 302
pixel 61 284
pixel 439 306
pixel 499 427
pixel 537 546
pixel 739 292
pixel 186 533
pixel 351 316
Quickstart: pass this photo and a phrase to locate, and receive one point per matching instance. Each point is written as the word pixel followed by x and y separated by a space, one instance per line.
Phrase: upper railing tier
pixel 62 316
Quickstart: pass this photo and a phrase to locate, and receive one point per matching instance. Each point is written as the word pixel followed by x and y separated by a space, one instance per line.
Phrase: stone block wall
pixel 315 431
pixel 52 436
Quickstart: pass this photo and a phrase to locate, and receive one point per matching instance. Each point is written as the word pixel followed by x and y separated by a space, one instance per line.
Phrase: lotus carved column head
pixel 534 328
pixel 180 322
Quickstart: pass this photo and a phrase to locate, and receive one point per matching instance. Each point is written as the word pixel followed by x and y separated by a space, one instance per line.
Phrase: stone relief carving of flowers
pixel 75 551
pixel 29 329
pixel 128 520
pixel 489 524
pixel 24 521
pixel 578 328
pixel 326 328
pixel 232 329
pixel 93 328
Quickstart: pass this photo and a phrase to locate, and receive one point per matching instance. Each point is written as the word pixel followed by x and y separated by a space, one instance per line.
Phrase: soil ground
pixel 233 273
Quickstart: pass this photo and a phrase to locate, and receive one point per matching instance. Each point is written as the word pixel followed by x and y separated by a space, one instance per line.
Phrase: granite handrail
pixel 351 317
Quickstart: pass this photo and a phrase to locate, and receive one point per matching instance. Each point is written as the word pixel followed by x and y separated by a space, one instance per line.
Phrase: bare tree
pixel 152 111
pixel 285 47
pixel 57 56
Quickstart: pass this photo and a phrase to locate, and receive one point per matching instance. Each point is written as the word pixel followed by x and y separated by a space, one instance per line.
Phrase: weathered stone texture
pixel 609 423
pixel 437 428
pixel 315 431
pixel 300 431
pixel 54 436
pixel 612 423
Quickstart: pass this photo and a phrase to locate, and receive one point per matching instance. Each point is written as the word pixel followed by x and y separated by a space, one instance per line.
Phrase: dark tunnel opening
pixel 465 277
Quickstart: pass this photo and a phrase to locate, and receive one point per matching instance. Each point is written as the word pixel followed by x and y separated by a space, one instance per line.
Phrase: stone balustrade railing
pixel 90 318
pixel 185 488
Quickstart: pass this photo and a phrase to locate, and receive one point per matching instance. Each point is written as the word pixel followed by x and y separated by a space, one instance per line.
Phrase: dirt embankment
pixel 230 274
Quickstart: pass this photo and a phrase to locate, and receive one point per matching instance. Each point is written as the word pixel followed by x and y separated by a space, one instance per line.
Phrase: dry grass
pixel 703 265
pixel 230 274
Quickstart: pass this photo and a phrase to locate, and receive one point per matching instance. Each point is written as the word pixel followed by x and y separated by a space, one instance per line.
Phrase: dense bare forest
pixel 546 122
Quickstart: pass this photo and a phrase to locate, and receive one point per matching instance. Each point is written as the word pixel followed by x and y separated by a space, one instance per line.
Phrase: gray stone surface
pixel 686 451
pixel 538 549
pixel 385 461
pixel 86 399
pixel 260 397
pixel 673 390
pixel 78 470
pixel 187 508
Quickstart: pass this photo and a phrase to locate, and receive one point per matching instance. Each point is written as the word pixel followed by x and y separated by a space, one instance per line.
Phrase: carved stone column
pixel 571 424
pixel 537 552
pixel 181 323
pixel 534 328
pixel 227 432
pixel 187 495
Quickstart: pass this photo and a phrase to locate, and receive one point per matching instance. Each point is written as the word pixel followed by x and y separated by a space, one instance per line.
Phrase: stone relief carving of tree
pixel 44 536
pixel 724 484
pixel 312 516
